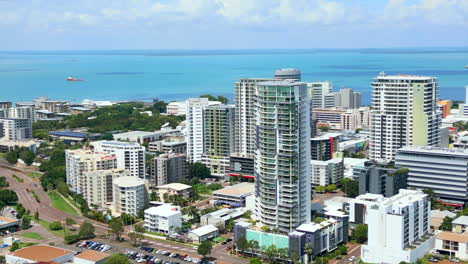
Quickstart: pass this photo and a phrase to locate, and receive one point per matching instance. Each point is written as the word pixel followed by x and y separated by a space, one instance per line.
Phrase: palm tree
pixel 309 251
pixel 193 212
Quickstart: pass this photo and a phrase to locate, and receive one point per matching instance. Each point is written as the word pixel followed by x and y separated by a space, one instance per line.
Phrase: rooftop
pixel 281 83
pixel 116 143
pixel 450 236
pixel 383 76
pixel 163 210
pixel 435 150
pixel 462 220
pixel 6 220
pixel 129 181
pixel 226 213
pixel 92 255
pixel 175 186
pixel 41 253
pixel 204 230
pixel 239 189
pixel 312 227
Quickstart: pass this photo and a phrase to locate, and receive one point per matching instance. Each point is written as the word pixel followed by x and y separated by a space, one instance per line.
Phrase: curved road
pixel 46 211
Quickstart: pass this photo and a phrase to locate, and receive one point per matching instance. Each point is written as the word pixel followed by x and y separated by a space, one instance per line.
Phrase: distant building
pixel 288 74
pixel 235 195
pixel 130 195
pixel 171 144
pixel 168 168
pixel 323 147
pixel 69 137
pixel 165 219
pixel 40 253
pixel 345 98
pixel 100 186
pixel 317 91
pixel 203 233
pixel 171 189
pixel 91 257
pixel 377 179
pixel 15 129
pixel 176 108
pixel 5 104
pixel 398 229
pixel 79 162
pixel 443 170
pixel 24 112
pixel 241 165
pixel 221 217
pixel 144 136
pixel 445 106
pixel 329 116
pixel 326 172
pixel 129 155
pixel 54 106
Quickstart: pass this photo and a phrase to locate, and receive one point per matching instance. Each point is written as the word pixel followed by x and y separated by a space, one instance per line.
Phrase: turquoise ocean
pixel 179 74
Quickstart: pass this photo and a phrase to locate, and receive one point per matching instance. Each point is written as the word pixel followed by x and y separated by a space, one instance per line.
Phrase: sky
pixel 231 24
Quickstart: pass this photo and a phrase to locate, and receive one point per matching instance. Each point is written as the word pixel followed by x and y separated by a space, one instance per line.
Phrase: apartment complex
pixel 323 147
pixel 15 129
pixel 171 144
pixel 165 219
pixel 80 161
pixel 130 195
pixel 398 229
pixel 282 160
pixel 377 179
pixel 404 113
pixel 345 98
pixel 317 91
pixel 326 172
pixel 168 168
pixel 100 186
pixel 288 74
pixel 129 155
pixel 443 170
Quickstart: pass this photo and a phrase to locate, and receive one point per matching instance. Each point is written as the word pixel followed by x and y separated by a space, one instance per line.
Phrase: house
pixel 91 257
pixel 453 244
pixel 221 217
pixel 178 189
pixel 437 217
pixel 459 224
pixel 40 253
pixel 164 219
pixel 203 233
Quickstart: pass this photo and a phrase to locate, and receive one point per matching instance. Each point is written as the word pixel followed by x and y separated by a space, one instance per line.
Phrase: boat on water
pixel 71 79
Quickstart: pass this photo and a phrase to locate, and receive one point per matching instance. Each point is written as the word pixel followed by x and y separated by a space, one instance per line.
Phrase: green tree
pixel 431 195
pixel 320 189
pixel 343 249
pixel 27 156
pixel 36 215
pixel 69 222
pixel 350 187
pixel 330 188
pixel 446 224
pixel 14 247
pixel 199 171
pixel 62 188
pixel 57 225
pixel 117 259
pixel 116 228
pixel 8 197
pixel 309 251
pixel 230 225
pixel 255 261
pixel 70 239
pixel 204 248
pixel 242 244
pixel 25 222
pixel 11 157
pixel 192 211
pixel 86 230
pixel 359 234
pixel 139 230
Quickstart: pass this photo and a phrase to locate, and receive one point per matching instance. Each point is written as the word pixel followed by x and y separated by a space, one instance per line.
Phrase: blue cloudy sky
pixel 230 24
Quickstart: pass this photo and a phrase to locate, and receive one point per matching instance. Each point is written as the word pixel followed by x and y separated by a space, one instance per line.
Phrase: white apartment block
pixel 100 185
pixel 317 91
pixel 282 160
pixel 351 120
pixel 398 229
pixel 129 155
pixel 24 112
pixel 130 195
pixel 80 161
pixel 245 115
pixel 176 108
pixel 404 113
pixel 165 219
pixel 15 129
pixel 195 127
pixel 326 172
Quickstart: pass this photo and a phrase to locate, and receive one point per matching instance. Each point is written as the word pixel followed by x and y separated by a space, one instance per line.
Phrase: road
pixel 353 250
pixel 46 211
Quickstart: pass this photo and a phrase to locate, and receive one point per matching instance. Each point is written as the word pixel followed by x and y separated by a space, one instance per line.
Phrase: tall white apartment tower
pixel 404 113
pixel 317 91
pixel 282 157
pixel 23 112
pixel 245 115
pixel 129 155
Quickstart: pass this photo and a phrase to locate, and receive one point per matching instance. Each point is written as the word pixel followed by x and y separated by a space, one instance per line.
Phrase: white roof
pixel 312 227
pixel 204 230
pixel 239 189
pixel 442 214
pixel 163 210
pixel 462 220
pixel 175 186
pixel 129 181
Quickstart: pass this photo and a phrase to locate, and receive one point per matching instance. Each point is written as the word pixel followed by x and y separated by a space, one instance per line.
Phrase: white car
pixel 352 258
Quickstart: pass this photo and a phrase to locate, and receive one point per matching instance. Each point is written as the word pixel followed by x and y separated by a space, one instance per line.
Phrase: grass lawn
pixel 32 235
pixel 202 188
pixel 72 201
pixel 58 233
pixel 34 175
pixel 155 233
pixel 59 203
pixel 220 239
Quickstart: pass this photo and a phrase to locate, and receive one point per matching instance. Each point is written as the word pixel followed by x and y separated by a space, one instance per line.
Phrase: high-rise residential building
pixel 345 98
pixel 326 172
pixel 15 128
pixel 170 144
pixel 24 112
pixel 323 147
pixel 398 229
pixel 5 104
pixel 130 195
pixel 100 184
pixel 351 120
pixel 129 155
pixel 317 91
pixel 377 179
pixel 80 161
pixel 445 106
pixel 195 127
pixel 443 170
pixel 288 74
pixel 177 108
pixel 168 168
pixel 219 132
pixel 282 160
pixel 404 113
pixel 245 115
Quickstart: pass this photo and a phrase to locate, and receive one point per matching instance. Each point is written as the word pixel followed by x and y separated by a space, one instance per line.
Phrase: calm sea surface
pixel 179 74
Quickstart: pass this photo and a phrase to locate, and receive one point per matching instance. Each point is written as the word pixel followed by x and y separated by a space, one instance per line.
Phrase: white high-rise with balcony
pixel 404 113
pixel 282 158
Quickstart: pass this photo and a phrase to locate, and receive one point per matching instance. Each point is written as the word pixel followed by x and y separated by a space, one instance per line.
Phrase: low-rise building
pixel 171 144
pixel 235 195
pixel 130 195
pixel 437 217
pixel 221 217
pixel 40 253
pixel 378 179
pixel 6 222
pixel 163 219
pixel 203 233
pixel 452 244
pixel 144 136
pixel 176 108
pixel 91 257
pixel 459 224
pixel 326 172
pixel 178 189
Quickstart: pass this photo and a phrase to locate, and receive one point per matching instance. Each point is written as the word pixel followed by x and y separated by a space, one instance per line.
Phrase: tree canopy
pixel 117 259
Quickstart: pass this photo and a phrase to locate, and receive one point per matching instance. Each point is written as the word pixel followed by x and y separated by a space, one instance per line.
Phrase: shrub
pixel 70 239
pixel 56 225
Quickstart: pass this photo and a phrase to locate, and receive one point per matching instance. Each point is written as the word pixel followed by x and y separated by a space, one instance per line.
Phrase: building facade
pixel 379 179
pixel 100 186
pixel 168 168
pixel 326 172
pixel 317 91
pixel 323 147
pixel 443 170
pixel 404 113
pixel 165 219
pixel 130 195
pixel 15 129
pixel 282 160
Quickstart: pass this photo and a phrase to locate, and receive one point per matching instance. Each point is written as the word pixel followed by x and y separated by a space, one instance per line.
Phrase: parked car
pixel 352 258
